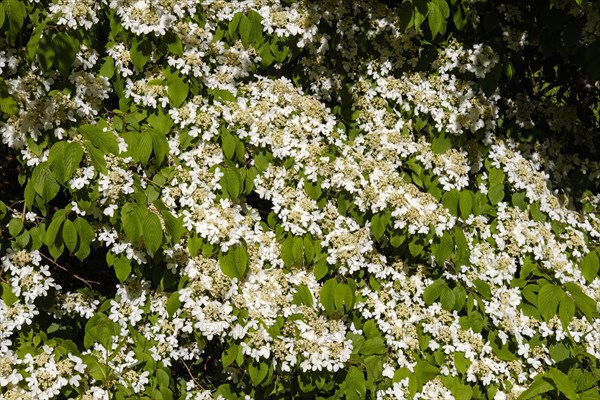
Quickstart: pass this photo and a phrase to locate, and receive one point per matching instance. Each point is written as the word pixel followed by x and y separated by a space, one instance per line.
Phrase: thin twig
pixel 86 282
pixel 191 375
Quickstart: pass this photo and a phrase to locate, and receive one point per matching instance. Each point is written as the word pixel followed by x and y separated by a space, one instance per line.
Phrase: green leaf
pixel 434 18
pixel 15 15
pixel 343 297
pixel 235 262
pixel 173 303
pixel 447 298
pixel 444 249
pixel 15 227
pixel 433 291
pixel 2 15
pixel 321 269
pixel 562 382
pixel 177 89
pixel 450 201
pixel 64 159
pixel 140 52
pixel 304 295
pixel 372 346
pixel 85 232
pixel 8 296
pixel 44 182
pixel 105 141
pixel 66 48
pixel 230 354
pixel 466 203
pixel 327 295
pixel 143 149
pixel 407 15
pixel 174 226
pixel 234 23
pixel 69 233
pixel 585 303
pixel 258 371
pixel 152 232
pixel 100 329
pixel 461 362
pixel 590 265
pixel 566 311
pixel 108 68
pixel 266 56
pixel 496 193
pixel 122 268
pixel 378 226
pixel 354 384
pixel 250 28
pixel 441 143
pixel 34 39
pixel 231 182
pixel 549 297
pixel 424 372
pixel 228 143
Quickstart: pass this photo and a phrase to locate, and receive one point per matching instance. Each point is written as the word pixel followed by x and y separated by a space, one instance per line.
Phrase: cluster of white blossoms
pixel 341 169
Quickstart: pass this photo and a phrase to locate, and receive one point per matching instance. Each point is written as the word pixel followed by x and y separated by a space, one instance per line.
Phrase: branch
pixel 86 282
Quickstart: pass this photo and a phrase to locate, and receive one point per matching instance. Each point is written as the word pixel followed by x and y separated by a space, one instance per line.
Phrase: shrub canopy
pixel 299 199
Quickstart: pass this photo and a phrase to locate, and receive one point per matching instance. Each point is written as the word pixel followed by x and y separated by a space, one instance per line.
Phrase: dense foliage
pixel 299 199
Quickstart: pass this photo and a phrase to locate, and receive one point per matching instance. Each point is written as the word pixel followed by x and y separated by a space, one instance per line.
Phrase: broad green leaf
pixel 15 227
pixel 378 226
pixel 590 265
pixel 585 303
pixel 140 52
pixel 8 296
pixel 434 18
pixel 231 182
pixel 100 329
pixel 34 39
pixel 343 297
pixel 152 232
pixel 566 311
pixel 355 387
pixel 229 355
pixel 304 295
pixel 327 295
pixel 372 346
pixel 228 143
pixel 433 291
pixel 447 298
pixel 144 148
pixel 562 382
pixel 235 262
pixel 258 371
pixel 66 48
pixel 549 297
pixel 444 249
pixel 85 232
pixel 103 140
pixel 466 203
pixel 450 201
pixel 44 182
pixel 321 269
pixel 173 303
pixel 64 159
pixel 15 16
pixel 122 268
pixel 441 143
pixel 177 90
pixel 69 233
pixel 496 194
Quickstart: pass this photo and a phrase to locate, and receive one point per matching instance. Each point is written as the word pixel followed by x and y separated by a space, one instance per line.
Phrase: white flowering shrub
pixel 299 199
